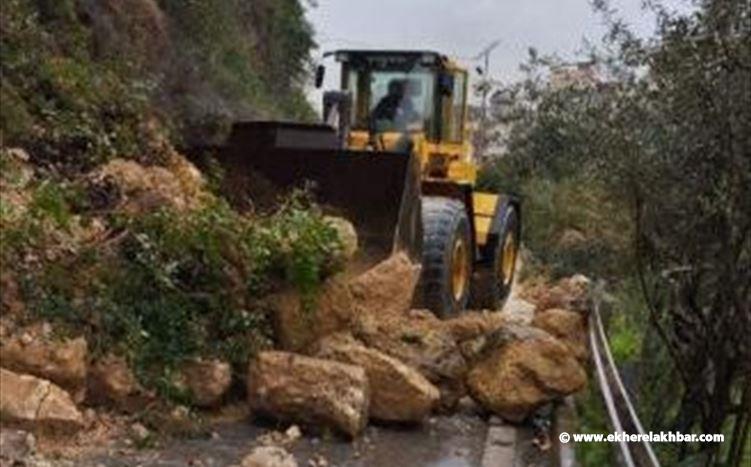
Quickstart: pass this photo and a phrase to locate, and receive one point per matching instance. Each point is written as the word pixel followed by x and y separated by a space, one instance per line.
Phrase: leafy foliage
pixel 168 286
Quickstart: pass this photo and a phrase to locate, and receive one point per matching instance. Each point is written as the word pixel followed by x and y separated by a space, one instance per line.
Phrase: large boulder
pixel 421 341
pixel 63 362
pixel 569 293
pixel 291 387
pixel 517 310
pixel 387 288
pixel 206 380
pixel 473 324
pixel 398 392
pixel 520 368
pixel 298 324
pixel 37 403
pixel 269 456
pixel 568 326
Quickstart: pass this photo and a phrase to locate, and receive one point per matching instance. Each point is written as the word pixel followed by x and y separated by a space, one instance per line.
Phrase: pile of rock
pixel 46 380
pixel 362 354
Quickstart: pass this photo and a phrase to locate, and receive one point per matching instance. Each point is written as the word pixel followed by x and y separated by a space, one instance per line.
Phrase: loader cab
pixel 421 94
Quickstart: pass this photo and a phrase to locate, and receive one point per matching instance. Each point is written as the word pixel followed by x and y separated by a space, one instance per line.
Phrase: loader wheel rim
pixel 508 260
pixel 459 269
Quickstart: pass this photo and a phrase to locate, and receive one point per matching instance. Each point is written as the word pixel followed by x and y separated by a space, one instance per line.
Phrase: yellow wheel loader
pixel 394 157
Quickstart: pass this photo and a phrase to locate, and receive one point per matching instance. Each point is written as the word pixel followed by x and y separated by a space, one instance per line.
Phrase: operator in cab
pixel 396 110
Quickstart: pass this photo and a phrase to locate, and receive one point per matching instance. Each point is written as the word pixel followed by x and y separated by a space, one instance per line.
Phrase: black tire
pixel 490 287
pixel 445 223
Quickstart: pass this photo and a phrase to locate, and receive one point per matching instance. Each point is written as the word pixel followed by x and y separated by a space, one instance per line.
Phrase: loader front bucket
pixel 379 192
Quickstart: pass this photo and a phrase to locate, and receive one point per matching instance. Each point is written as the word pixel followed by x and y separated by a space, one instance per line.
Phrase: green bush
pixel 175 285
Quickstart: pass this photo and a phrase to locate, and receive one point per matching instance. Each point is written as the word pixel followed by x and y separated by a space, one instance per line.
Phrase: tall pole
pixel 485 92
pixel 485 56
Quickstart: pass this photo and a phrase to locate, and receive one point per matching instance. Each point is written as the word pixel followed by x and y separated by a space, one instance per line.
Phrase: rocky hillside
pixel 80 77
pixel 118 257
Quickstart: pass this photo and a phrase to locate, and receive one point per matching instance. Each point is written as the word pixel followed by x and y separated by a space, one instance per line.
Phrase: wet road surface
pixel 442 441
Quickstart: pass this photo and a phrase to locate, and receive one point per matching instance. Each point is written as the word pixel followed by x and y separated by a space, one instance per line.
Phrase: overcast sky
pixel 461 29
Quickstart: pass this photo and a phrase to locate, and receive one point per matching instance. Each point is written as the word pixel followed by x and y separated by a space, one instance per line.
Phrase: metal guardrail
pixel 623 417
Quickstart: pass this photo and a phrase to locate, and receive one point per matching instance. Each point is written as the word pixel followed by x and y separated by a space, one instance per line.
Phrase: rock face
pixel 421 341
pixel 387 288
pixel 37 403
pixel 297 326
pixel 62 362
pixel 568 326
pixel 518 369
pixel 207 380
pixel 111 381
pixel 398 392
pixel 295 388
pixel 269 456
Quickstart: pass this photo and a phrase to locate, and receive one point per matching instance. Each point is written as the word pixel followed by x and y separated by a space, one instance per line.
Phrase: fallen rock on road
pixel 570 293
pixel 33 403
pixel 295 388
pixel 384 290
pixel 398 393
pixel 387 288
pixel 421 341
pixel 519 368
pixel 297 327
pixel 269 456
pixel 568 326
pixel 62 362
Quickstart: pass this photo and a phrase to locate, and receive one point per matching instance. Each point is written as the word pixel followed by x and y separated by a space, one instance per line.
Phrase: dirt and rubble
pixel 432 376
pixel 356 366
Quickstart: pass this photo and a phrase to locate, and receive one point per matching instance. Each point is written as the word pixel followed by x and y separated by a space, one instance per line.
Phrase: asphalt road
pixel 442 441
